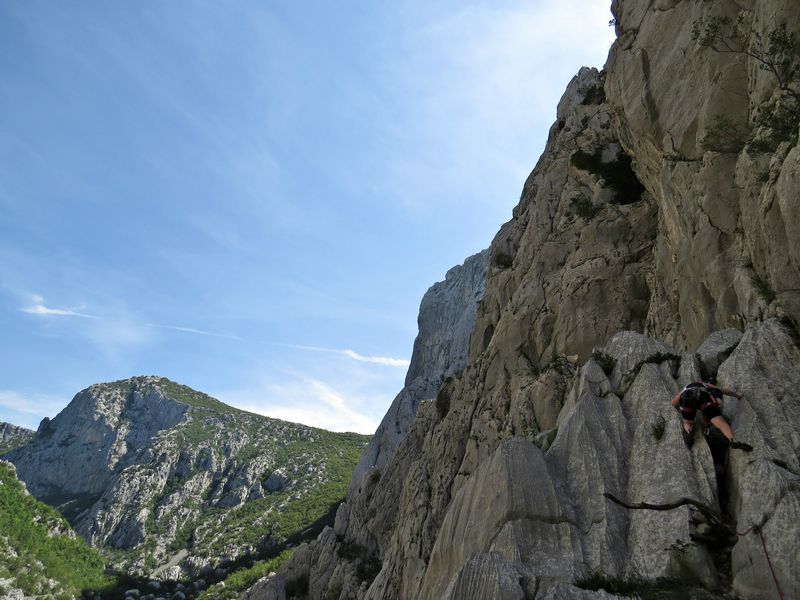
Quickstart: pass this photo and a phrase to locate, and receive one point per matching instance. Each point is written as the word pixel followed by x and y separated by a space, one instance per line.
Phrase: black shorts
pixel 709 410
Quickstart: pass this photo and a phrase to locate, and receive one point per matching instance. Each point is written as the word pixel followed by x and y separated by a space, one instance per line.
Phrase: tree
pixel 777 53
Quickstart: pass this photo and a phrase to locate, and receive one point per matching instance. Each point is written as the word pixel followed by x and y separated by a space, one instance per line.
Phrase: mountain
pixel 170 482
pixel 40 554
pixel 12 436
pixel 654 244
pixel 446 318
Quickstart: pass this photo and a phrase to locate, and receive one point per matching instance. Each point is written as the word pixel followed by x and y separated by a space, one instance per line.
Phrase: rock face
pixel 173 476
pixel 727 215
pixel 643 255
pixel 12 436
pixel 446 320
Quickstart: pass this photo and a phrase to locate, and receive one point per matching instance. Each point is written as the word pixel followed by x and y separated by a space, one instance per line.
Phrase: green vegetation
pixel 725 135
pixel 763 288
pixel 656 359
pixel 605 360
pixel 368 564
pixel 617 174
pixel 778 53
pixel 217 523
pixel 561 365
pixel 186 395
pixel 40 553
pixel 594 94
pixel 207 492
pixel 657 428
pixel 9 445
pixel 583 207
pixel 242 579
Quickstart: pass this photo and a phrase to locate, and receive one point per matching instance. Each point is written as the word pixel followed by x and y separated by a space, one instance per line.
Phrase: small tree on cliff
pixel 778 53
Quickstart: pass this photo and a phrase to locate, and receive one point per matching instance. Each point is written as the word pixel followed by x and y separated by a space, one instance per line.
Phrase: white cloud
pixel 310 402
pixel 351 354
pixel 28 410
pixel 195 331
pixel 38 308
pixel 484 82
pixel 18 402
pixel 117 331
pixel 379 360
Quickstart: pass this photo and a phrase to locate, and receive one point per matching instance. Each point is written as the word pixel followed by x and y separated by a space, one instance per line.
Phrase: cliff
pixel 12 436
pixel 654 243
pixel 178 483
pixel 446 318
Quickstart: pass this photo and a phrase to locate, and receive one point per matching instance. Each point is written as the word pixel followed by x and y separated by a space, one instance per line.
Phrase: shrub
pixel 725 135
pixel 657 428
pixel 594 94
pixel 583 207
pixel 763 288
pixel 606 361
pixel 777 53
pixel 46 551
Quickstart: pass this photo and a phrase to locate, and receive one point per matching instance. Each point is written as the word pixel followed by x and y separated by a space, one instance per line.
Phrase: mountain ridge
pixel 147 467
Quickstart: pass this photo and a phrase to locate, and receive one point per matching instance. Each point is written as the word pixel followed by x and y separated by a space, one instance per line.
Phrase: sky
pixel 251 198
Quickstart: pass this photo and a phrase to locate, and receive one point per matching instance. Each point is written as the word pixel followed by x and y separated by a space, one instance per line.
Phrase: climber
pixel 705 396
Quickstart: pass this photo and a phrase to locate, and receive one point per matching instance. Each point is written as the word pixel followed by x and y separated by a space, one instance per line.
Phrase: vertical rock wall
pixel 446 319
pixel 725 218
pixel 630 224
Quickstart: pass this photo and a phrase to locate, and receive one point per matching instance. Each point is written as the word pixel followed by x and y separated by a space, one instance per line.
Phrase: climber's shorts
pixel 709 410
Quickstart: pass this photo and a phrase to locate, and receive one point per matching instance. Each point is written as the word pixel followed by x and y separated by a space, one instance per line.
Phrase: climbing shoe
pixel 688 438
pixel 741 446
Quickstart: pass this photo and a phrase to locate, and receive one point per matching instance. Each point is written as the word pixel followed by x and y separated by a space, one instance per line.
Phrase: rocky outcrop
pixel 446 320
pixel 641 256
pixel 726 251
pixel 164 472
pixel 525 523
pixel 12 436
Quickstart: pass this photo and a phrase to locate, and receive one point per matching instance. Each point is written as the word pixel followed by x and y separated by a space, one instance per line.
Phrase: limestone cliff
pixel 643 254
pixel 446 319
pixel 178 482
pixel 12 436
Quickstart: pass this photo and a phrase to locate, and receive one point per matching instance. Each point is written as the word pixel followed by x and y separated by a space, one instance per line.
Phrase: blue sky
pixel 251 198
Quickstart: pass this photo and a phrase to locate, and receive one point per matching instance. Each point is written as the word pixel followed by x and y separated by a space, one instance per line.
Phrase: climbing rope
pixel 758 529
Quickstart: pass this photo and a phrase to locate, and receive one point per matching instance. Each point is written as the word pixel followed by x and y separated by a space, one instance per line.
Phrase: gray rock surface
pixel 727 222
pixel 716 348
pixel 159 470
pixel 446 320
pixel 765 484
pixel 269 588
pixel 707 244
pixel 12 436
pixel 487 576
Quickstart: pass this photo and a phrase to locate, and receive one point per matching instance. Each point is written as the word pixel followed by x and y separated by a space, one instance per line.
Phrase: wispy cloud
pixel 38 308
pixel 351 354
pixel 484 81
pixel 378 360
pixel 19 403
pixel 195 331
pixel 308 401
pixel 27 410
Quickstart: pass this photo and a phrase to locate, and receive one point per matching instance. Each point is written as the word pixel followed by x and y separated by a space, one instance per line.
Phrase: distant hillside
pixel 172 482
pixel 40 555
pixel 12 436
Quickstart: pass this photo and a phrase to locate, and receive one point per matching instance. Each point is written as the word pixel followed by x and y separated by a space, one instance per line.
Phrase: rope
pixel 760 531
